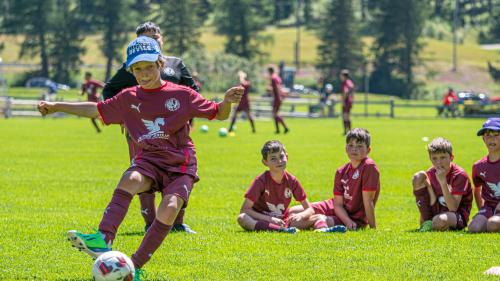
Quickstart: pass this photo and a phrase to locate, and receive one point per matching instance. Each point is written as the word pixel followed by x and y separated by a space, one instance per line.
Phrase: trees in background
pixel 398 26
pixel 340 44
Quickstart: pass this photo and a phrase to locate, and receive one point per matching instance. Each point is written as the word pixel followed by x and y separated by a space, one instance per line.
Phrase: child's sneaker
pixel 92 244
pixel 291 230
pixel 138 274
pixel 335 228
pixel 426 226
pixel 182 228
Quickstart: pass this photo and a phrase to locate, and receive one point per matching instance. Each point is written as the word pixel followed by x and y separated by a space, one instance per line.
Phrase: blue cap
pixel 143 48
pixel 492 124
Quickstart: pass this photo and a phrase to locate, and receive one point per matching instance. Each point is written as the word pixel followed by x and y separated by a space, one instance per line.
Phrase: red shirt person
pixel 244 103
pixel 347 91
pixel 277 94
pixel 90 86
pixel 450 98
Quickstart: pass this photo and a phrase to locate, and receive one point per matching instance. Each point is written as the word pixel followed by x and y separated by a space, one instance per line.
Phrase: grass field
pixel 58 174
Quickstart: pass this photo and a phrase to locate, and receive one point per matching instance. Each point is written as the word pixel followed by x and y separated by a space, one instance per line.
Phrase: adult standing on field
pixel 347 91
pixel 173 71
pixel 277 95
pixel 89 88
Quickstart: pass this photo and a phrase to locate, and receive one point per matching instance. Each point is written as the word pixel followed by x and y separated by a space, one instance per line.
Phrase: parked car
pixel 42 82
pixel 473 103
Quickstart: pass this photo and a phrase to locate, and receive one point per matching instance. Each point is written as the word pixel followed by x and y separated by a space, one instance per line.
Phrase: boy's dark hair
pixel 146 27
pixel 272 146
pixel 270 69
pixel 88 73
pixel 440 145
pixel 360 135
pixel 345 72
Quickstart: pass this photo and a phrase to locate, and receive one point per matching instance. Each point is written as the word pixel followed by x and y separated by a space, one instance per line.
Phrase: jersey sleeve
pixel 113 110
pixel 201 107
pixel 255 190
pixel 121 80
pixel 338 189
pixel 459 184
pixel 298 191
pixel 186 78
pixel 370 179
pixel 478 182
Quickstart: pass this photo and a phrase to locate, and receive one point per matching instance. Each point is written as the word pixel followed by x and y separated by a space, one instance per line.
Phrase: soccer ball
pixel 113 265
pixel 204 128
pixel 223 132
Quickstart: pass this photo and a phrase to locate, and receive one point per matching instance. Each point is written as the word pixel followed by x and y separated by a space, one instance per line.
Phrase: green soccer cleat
pixel 139 273
pixel 426 226
pixel 92 244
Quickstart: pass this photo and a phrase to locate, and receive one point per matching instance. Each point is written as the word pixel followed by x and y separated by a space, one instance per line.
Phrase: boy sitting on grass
pixel 443 193
pixel 486 178
pixel 266 201
pixel 355 191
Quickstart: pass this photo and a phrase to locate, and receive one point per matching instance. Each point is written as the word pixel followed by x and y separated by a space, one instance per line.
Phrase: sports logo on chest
pixel 172 104
pixel 169 71
pixel 288 193
pixel 154 129
pixel 355 176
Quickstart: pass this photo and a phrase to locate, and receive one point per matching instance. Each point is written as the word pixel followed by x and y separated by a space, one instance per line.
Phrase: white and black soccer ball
pixel 113 265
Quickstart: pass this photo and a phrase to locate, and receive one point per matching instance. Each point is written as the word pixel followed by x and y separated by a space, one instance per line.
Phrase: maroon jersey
pixel 351 182
pixel 156 120
pixel 347 89
pixel 486 174
pixel 458 179
pixel 90 88
pixel 276 88
pixel 245 102
pixel 272 198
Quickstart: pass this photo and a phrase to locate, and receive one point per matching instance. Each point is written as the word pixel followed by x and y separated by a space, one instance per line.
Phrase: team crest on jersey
pixel 172 104
pixel 288 193
pixel 355 176
pixel 169 71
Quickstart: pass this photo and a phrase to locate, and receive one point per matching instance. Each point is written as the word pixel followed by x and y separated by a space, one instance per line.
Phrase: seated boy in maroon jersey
pixel 443 193
pixel 486 178
pixel 355 190
pixel 266 201
pixel 155 114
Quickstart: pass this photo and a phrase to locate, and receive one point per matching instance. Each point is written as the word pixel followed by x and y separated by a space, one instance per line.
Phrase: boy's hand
pixel 441 175
pixel 277 221
pixel 352 226
pixel 296 217
pixel 46 107
pixel 234 94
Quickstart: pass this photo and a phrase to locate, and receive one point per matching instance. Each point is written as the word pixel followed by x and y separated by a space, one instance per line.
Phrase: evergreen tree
pixel 399 25
pixel 180 24
pixel 240 22
pixel 33 19
pixel 66 46
pixel 340 45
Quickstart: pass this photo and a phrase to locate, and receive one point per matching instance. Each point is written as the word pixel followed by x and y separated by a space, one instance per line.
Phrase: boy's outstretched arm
pixel 247 209
pixel 233 95
pixel 308 211
pixel 368 197
pixel 341 213
pixel 84 109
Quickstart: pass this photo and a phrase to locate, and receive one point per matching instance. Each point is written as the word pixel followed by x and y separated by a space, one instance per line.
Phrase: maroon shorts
pixel 438 209
pixel 326 208
pixel 166 182
pixel 276 106
pixel 243 107
pixel 346 107
pixel 487 211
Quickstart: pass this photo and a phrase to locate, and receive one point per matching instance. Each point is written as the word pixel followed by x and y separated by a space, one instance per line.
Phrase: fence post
pixel 391 104
pixel 8 107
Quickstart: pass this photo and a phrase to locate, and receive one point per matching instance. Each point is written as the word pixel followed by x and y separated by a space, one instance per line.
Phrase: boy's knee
pixel 241 218
pixel 440 222
pixel 244 221
pixel 493 224
pixel 419 179
pixel 477 226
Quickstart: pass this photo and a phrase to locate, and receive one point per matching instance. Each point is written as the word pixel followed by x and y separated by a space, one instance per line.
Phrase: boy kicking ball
pixel 265 207
pixel 443 193
pixel 155 113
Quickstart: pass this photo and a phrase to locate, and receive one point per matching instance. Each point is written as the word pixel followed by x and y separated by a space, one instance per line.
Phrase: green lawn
pixel 58 174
